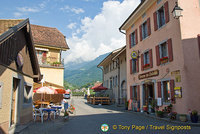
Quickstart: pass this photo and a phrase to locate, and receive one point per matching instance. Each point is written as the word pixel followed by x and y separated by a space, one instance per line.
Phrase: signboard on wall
pixel 148 74
pixel 134 55
pixel 178 92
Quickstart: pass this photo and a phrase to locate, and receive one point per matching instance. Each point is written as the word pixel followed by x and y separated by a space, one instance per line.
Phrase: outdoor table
pixel 49 110
pixel 56 107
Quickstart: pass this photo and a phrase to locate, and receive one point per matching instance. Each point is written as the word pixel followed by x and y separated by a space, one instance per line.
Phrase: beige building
pixel 114 74
pixel 165 55
pixel 49 44
pixel 19 69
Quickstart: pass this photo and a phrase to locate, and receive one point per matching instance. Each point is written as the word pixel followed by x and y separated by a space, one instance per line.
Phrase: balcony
pixel 50 62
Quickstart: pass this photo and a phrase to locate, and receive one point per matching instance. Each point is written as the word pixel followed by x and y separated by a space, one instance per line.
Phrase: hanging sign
pixel 178 92
pixel 134 55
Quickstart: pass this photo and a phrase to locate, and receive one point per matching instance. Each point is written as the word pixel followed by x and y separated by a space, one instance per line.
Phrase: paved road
pixel 89 118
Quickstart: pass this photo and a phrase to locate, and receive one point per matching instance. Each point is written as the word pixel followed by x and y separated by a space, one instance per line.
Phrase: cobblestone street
pixel 89 118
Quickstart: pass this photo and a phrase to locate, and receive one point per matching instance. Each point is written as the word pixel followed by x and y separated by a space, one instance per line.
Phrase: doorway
pixel 148 94
pixel 15 87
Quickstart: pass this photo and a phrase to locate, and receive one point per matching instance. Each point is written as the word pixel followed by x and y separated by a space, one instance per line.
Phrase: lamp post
pixel 177 11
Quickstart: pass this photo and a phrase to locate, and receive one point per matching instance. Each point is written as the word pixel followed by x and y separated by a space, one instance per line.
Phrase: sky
pixel 91 27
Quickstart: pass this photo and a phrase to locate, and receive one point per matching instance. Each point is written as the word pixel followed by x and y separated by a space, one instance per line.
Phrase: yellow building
pixel 19 69
pixel 49 44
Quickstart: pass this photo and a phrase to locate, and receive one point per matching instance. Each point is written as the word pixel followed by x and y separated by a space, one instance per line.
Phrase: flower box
pixel 164 60
pixel 146 65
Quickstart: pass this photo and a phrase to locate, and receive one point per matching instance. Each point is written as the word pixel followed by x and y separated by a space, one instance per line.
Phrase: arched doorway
pixel 123 92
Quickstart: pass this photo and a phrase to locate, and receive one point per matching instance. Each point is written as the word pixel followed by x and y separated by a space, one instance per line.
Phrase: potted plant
pixel 183 117
pixel 153 105
pixel 194 116
pixel 172 115
pixel 160 113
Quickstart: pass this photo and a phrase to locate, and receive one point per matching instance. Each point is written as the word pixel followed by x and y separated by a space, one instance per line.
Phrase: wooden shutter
pixel 170 50
pixel 137 65
pixel 151 58
pixel 155 21
pixel 172 91
pixel 157 55
pixel 166 12
pixel 131 92
pixel 198 38
pixel 149 26
pixel 131 70
pixel 138 93
pixel 159 89
pixel 140 32
pixel 130 41
pixel 142 62
pixel 136 37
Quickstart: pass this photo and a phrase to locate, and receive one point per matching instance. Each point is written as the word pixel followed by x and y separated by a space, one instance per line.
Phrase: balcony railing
pixel 50 62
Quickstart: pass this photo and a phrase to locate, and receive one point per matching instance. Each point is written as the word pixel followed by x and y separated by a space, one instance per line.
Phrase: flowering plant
pixel 164 58
pixel 146 65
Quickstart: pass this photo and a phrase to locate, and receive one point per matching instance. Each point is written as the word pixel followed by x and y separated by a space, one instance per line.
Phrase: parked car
pixel 66 96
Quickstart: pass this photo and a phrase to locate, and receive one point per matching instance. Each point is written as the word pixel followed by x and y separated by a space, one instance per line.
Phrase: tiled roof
pixel 6 24
pixel 48 36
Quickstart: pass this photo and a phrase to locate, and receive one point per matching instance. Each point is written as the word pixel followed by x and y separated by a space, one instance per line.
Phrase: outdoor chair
pixel 38 112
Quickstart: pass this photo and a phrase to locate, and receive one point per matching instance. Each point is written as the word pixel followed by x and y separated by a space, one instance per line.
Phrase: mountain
pixel 85 72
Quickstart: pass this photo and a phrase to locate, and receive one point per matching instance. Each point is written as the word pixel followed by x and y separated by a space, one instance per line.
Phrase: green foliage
pixel 78 93
pixel 68 85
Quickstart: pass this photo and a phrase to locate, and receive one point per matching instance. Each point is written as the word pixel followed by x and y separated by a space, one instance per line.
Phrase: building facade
pixel 19 69
pixel 114 75
pixel 166 55
pixel 49 44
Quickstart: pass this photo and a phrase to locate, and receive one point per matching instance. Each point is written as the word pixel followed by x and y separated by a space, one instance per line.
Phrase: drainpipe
pixel 102 74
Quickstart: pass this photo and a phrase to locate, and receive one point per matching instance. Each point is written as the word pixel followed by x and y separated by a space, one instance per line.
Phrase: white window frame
pixel 160 50
pixel 144 59
pixel 133 41
pixel 30 95
pixel 134 63
pixel 143 28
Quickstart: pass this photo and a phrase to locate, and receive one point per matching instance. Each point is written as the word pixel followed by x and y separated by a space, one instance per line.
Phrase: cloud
pixel 17 14
pixel 100 34
pixel 27 9
pixel 74 10
pixel 71 26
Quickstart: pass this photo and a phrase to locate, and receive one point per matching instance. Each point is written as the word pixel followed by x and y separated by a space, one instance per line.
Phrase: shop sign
pixel 148 74
pixel 134 55
pixel 177 72
pixel 178 92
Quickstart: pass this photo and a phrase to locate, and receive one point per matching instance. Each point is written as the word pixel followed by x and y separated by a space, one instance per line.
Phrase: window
pixel 134 93
pixel 144 30
pixel 111 83
pixel 146 58
pixel 163 50
pixel 42 56
pixel 116 80
pixel 166 91
pixel 161 17
pixel 27 94
pixel 1 92
pixel 133 39
pixel 134 66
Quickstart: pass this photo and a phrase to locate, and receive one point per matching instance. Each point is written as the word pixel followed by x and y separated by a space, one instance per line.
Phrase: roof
pixel 11 30
pixel 6 24
pixel 110 56
pixel 120 52
pixel 48 36
pixel 138 7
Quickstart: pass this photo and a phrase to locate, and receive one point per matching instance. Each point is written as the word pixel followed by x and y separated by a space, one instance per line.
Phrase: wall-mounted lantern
pixel 177 11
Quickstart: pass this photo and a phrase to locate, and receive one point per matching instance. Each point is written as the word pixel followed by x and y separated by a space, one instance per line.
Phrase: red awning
pixel 99 88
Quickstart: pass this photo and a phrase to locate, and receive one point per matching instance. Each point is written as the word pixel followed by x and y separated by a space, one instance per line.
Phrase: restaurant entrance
pixel 148 95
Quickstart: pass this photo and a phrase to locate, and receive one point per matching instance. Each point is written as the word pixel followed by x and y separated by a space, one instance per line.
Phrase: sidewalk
pixel 152 115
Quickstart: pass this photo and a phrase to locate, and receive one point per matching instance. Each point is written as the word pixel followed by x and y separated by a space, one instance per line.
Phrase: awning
pixel 99 88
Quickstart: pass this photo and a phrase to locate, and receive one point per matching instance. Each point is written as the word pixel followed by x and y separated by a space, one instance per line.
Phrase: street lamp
pixel 177 11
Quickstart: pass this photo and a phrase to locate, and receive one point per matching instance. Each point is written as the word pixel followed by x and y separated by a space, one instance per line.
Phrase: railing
pixel 50 62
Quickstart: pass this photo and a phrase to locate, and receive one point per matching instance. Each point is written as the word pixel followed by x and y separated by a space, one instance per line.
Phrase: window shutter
pixel 142 62
pixel 130 41
pixel 170 50
pixel 151 58
pixel 172 91
pixel 198 37
pixel 131 92
pixel 155 21
pixel 136 37
pixel 140 32
pixel 157 55
pixel 149 26
pixel 166 12
pixel 137 65
pixel 138 93
pixel 159 89
pixel 131 66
